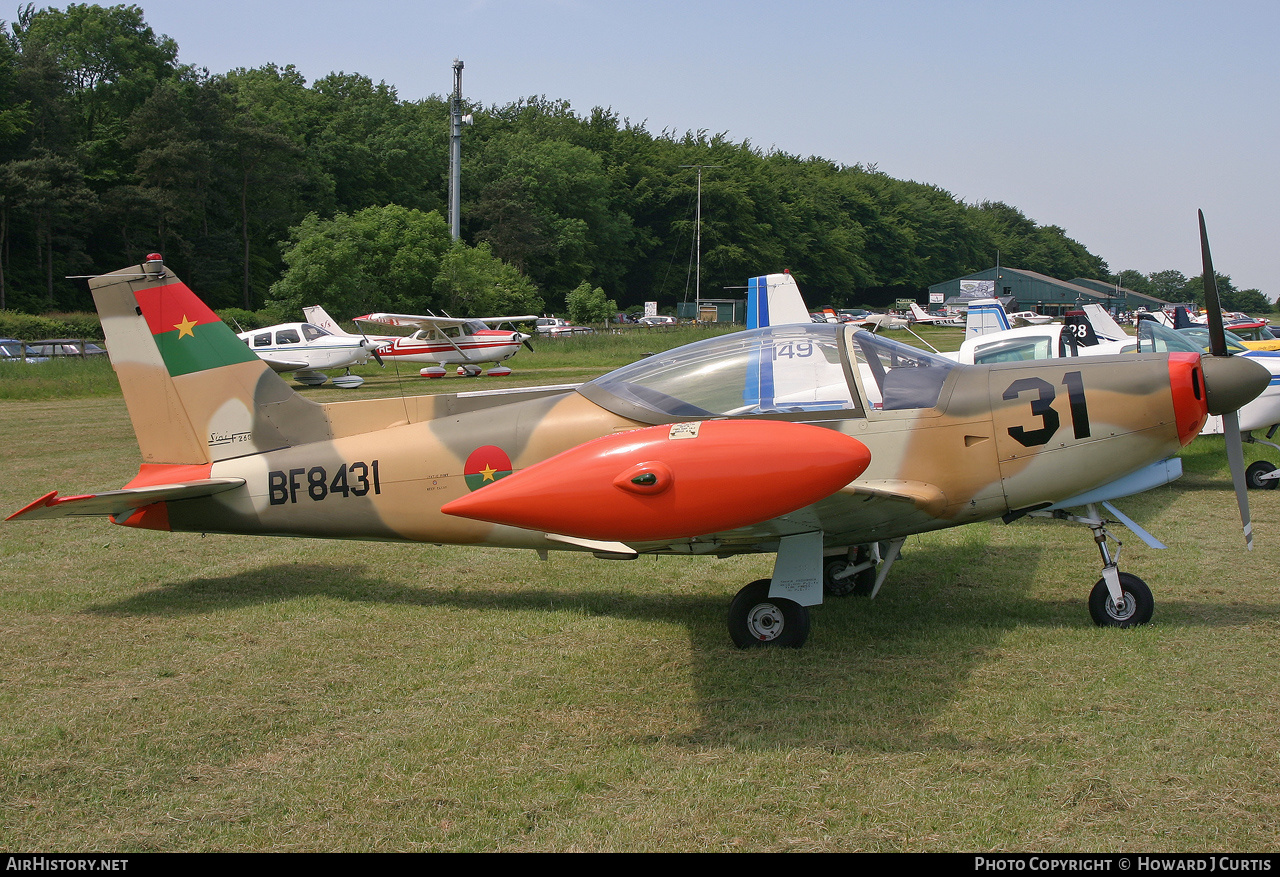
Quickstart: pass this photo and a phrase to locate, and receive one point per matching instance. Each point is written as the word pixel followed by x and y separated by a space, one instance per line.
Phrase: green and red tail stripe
pixel 190 337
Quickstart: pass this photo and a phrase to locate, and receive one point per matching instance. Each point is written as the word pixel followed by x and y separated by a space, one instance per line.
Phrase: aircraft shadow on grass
pixel 880 671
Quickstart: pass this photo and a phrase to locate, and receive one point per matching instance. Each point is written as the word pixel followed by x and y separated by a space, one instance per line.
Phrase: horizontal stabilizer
pixel 117 502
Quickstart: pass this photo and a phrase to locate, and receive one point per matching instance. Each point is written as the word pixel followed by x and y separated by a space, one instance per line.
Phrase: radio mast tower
pixel 455 153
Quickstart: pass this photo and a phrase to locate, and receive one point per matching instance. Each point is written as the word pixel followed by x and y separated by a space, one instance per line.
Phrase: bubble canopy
pixel 794 369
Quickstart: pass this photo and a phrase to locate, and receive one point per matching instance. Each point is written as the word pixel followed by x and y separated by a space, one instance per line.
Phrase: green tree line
pixel 261 188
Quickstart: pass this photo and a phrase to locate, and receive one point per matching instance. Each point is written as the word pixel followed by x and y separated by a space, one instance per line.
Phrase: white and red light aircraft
pixel 469 343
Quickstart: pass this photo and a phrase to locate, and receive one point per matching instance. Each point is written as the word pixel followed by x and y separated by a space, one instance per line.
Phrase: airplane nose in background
pixel 1232 381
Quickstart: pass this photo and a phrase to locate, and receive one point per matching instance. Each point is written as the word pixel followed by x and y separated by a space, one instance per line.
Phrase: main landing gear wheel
pixel 860 583
pixel 1253 476
pixel 1136 608
pixel 758 620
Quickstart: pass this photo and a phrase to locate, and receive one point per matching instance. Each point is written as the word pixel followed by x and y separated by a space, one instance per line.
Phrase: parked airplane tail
pixel 986 315
pixel 775 300
pixel 318 316
pixel 1078 331
pixel 1104 326
pixel 195 392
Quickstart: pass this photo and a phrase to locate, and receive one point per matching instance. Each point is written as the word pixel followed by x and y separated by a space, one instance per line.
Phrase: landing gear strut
pixel 862 572
pixel 758 618
pixel 1118 599
pixel 1134 607
pixel 1262 475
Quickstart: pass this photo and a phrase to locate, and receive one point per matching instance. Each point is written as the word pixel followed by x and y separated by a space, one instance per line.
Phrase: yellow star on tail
pixel 185 327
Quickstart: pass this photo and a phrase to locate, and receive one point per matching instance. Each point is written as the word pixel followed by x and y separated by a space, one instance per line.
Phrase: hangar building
pixel 1021 290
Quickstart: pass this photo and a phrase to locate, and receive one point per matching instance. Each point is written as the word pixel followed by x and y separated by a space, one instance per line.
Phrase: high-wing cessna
pixel 307 350
pixel 447 340
pixel 817 442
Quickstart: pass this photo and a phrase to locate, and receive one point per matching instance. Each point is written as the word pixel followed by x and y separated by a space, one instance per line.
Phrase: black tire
pixel 1253 476
pixel 1139 604
pixel 757 620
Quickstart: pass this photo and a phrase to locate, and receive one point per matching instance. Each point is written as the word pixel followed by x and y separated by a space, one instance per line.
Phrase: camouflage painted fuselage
pixel 229 447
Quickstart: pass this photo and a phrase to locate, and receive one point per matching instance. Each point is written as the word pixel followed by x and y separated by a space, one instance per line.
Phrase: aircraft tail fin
pixel 919 313
pixel 1078 331
pixel 1181 319
pixel 986 315
pixel 774 300
pixel 1104 326
pixel 318 316
pixel 195 392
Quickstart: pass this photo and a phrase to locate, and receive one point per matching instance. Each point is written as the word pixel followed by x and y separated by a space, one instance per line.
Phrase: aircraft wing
pixel 116 502
pixel 285 365
pixel 424 321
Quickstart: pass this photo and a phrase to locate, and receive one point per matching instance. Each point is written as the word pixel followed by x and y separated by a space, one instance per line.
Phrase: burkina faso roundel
pixel 486 465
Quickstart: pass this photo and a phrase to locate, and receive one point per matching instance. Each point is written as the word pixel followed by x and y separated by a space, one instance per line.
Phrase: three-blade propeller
pixel 1230 418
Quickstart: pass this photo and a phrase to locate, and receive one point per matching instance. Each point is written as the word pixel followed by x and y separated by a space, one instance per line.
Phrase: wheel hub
pixel 765 622
pixel 1122 610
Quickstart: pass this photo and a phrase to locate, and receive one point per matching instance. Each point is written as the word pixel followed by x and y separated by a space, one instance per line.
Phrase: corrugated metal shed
pixel 714 310
pixel 1126 299
pixel 1031 291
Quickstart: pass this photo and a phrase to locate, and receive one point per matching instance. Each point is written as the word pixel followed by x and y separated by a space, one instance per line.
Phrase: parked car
pixel 658 320
pixel 13 350
pixel 65 347
pixel 555 327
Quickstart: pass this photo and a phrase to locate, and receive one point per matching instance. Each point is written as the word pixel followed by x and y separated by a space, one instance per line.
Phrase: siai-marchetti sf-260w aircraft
pixel 822 443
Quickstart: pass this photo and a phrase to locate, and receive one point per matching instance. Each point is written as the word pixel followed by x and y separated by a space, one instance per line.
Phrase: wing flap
pixel 116 502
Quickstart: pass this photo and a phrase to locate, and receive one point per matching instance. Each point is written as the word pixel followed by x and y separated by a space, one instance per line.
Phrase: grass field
pixel 179 692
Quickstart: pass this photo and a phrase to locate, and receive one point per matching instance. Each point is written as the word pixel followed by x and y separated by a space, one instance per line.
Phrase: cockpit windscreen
pixel 779 369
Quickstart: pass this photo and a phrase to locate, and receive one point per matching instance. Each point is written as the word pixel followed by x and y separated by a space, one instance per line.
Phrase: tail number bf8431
pixel 1042 407
pixel 351 479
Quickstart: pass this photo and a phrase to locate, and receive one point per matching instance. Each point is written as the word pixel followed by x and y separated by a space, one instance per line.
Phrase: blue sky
pixel 1115 120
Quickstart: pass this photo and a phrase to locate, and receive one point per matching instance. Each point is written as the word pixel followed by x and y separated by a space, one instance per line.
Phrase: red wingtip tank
pixel 668 482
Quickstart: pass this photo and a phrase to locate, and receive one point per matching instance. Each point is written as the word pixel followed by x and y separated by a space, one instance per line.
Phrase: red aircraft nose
pixel 1190 401
pixel 669 482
